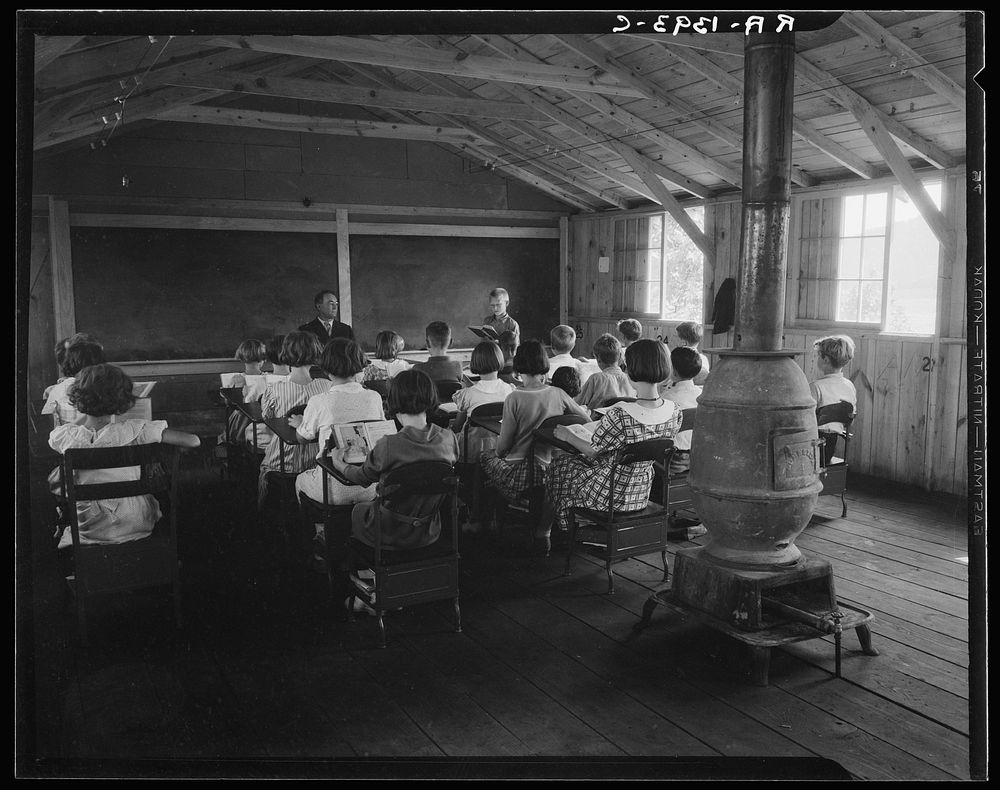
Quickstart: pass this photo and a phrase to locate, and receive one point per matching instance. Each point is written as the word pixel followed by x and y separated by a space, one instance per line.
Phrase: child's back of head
pixel 686 362
pixel 486 358
pixel 630 329
pixel 562 338
pixel 102 390
pixel 300 349
pixel 438 335
pixel 388 344
pixel 567 379
pixel 81 353
pixel 689 333
pixel 607 351
pixel 838 350
pixel 250 351
pixel 530 359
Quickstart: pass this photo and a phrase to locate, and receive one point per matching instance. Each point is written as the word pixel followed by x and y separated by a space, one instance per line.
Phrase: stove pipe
pixel 755 464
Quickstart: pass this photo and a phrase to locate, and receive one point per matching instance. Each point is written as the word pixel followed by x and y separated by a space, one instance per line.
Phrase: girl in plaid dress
pixel 506 467
pixel 582 480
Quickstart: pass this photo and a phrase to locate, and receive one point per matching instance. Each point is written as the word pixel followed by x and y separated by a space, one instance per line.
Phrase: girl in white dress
pixel 99 392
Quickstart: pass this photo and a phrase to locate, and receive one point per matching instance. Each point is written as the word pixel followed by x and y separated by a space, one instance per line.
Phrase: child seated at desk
pixel 386 364
pixel 562 340
pixel 252 354
pixel 506 467
pixel 343 400
pixel 508 345
pixel 79 351
pixel 299 351
pixel 610 381
pixel 487 359
pixel 832 355
pixel 100 392
pixel 689 334
pixel 412 395
pixel 684 394
pixel 439 365
pixel 581 480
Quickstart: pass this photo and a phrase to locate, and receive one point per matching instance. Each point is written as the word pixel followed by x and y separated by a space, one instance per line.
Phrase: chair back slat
pixel 420 477
pixel 493 409
pixel 842 412
pixel 646 450
pixel 446 388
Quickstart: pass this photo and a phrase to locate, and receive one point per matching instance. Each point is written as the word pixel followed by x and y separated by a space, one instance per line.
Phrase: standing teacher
pixel 325 325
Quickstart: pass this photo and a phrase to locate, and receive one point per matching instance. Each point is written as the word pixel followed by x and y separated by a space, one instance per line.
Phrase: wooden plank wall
pixel 912 397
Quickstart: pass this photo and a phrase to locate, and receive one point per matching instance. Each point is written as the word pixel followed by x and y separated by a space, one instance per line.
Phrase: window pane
pixel 854 206
pixel 653 305
pixel 653 264
pixel 656 231
pixel 873 258
pixel 913 268
pixel 849 267
pixel 875 207
pixel 871 302
pixel 847 301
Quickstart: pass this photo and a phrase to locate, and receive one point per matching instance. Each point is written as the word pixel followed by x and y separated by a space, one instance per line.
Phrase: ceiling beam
pixel 589 132
pixel 600 57
pixel 315 124
pixel 914 63
pixel 505 145
pixel 378 53
pixel 801 128
pixel 316 90
pixel 849 99
pixel 873 127
pixel 628 119
pixel 663 196
pixel 558 147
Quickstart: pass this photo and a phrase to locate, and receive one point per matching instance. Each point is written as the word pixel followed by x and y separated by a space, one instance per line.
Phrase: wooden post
pixel 61 257
pixel 344 265
pixel 564 259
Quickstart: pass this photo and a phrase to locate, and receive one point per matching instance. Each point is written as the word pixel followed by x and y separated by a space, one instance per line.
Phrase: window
pixel 657 269
pixel 887 262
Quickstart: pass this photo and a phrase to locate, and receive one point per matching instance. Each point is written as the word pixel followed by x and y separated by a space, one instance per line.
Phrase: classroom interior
pixel 183 187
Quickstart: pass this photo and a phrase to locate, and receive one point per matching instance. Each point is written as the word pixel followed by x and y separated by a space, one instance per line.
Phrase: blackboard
pixel 405 282
pixel 196 294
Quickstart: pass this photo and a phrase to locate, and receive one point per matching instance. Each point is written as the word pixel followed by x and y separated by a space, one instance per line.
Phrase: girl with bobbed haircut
pixel 647 361
pixel 486 362
pixel 412 392
pixel 386 364
pixel 342 358
pixel 102 390
pixel 300 348
pixel 583 479
pixel 250 351
pixel 530 359
pixel 486 358
pixel 73 354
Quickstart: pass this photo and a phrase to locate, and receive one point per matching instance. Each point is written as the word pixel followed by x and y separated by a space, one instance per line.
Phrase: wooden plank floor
pixel 547 679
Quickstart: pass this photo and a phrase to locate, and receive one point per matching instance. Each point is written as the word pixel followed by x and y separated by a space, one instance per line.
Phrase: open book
pixel 485 332
pixel 143 407
pixel 358 438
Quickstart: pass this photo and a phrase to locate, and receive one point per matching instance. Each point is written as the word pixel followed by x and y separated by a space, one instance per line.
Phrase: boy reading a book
pixel 498 318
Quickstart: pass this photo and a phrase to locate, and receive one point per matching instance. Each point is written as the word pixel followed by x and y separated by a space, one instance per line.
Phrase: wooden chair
pixel 833 472
pixel 412 576
pixel 446 389
pixel 615 535
pixel 483 411
pixel 149 562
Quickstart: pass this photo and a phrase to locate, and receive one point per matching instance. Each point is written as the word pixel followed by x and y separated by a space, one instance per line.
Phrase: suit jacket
pixel 337 330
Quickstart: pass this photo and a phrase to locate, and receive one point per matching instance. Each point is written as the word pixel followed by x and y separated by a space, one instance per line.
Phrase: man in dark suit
pixel 325 325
